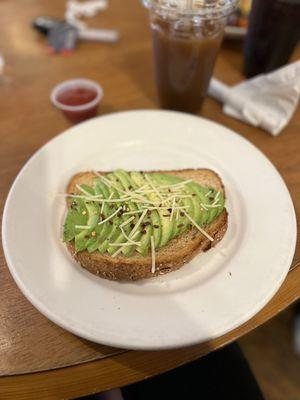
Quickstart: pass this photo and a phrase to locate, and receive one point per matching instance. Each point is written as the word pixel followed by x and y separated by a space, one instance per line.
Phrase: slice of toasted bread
pixel 169 258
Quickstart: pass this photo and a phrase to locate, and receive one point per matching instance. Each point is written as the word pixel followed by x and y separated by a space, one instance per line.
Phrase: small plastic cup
pixel 78 99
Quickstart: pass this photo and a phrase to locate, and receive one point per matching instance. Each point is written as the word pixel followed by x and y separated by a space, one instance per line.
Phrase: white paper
pixel 267 101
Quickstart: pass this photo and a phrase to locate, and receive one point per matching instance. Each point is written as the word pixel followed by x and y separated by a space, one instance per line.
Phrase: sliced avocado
pixel 145 240
pixel 183 222
pixel 77 215
pixel 215 211
pixel 92 244
pixel 155 217
pixel 156 222
pixel 106 228
pixel 166 225
pixel 82 238
pixel 124 179
pixel 157 229
pixel 203 199
pixel 87 188
pixel 200 214
pixel 110 238
pixel 112 227
pixel 121 182
pixel 175 226
pixel 103 230
pixel 222 204
pixel 129 184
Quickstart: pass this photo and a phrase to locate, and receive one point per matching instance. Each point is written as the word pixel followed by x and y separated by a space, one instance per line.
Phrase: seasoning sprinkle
pixel 143 224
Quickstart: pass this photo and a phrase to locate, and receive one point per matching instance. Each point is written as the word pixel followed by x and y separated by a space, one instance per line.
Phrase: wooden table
pixel 39 360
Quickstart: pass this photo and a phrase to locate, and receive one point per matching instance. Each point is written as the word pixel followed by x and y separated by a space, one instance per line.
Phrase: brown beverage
pixel 187 35
pixel 183 66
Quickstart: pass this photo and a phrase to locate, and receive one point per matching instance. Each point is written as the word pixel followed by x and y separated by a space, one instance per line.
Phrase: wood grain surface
pixel 28 341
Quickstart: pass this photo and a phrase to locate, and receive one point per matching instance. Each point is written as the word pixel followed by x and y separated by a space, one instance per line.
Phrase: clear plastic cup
pixel 187 35
pixel 78 98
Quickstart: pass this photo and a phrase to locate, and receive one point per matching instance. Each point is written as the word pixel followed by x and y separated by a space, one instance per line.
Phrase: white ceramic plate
pixel 209 296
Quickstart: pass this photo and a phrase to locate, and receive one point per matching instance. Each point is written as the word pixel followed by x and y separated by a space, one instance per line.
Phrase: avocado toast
pixel 131 225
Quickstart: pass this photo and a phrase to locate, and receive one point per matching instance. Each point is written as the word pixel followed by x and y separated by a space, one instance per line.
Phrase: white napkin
pixel 89 8
pixel 267 101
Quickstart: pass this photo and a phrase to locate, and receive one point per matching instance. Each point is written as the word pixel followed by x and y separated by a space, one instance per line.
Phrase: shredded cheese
pixel 123 244
pixel 126 222
pixel 154 188
pixel 136 233
pixel 152 254
pixel 87 193
pixel 140 189
pixel 119 250
pixel 111 184
pixel 166 208
pixel 138 224
pixel 102 207
pixel 173 207
pixel 133 212
pixel 199 227
pixel 82 226
pixel 110 217
pixel 176 184
pixel 128 238
pixel 204 206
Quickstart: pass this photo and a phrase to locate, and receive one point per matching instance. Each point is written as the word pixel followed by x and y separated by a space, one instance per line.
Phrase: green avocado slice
pixel 129 185
pixel 121 184
pixel 155 219
pixel 174 226
pixel 77 215
pixel 82 238
pixel 113 225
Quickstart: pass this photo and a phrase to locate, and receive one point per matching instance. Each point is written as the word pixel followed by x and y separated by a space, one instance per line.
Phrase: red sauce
pixel 78 97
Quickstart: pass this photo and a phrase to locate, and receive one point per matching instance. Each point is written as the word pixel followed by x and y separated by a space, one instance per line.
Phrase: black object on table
pixel 273 33
pixel 223 374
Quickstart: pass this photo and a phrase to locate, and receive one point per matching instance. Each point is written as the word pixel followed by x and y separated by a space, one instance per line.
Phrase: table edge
pixel 132 366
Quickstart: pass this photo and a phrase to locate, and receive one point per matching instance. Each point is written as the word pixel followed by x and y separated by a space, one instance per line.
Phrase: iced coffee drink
pixel 186 39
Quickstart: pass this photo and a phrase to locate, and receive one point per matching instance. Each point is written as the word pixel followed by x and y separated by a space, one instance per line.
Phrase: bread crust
pixel 173 256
